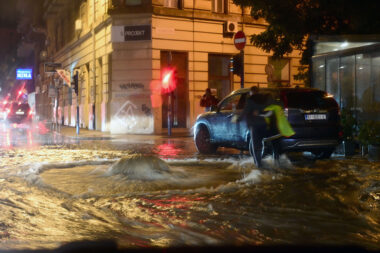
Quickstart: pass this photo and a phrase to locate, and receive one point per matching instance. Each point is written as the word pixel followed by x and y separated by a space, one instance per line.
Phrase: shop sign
pixel 131 33
pixel 65 75
pixel 24 74
pixel 51 67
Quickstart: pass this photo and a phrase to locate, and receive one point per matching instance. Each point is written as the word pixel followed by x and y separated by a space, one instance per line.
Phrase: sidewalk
pixel 85 134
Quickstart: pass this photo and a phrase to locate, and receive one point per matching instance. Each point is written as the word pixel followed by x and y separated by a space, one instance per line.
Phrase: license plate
pixel 20 113
pixel 315 116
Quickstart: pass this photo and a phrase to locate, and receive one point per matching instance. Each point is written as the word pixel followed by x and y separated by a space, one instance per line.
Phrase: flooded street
pixel 162 193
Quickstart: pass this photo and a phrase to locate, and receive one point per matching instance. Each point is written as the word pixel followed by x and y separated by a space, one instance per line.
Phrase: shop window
pixel 363 92
pixel 280 71
pixel 319 71
pixel 332 82
pixel 375 80
pixel 347 81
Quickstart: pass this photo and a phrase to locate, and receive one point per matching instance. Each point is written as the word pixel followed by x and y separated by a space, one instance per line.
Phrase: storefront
pixel 351 73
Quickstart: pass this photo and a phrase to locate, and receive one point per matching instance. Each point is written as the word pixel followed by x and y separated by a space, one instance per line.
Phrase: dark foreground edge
pixel 111 246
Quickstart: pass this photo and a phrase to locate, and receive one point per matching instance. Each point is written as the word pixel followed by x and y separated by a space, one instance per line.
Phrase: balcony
pixel 129 6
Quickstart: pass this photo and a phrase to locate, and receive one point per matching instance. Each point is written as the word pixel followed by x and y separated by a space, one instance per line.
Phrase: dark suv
pixel 313 114
pixel 18 113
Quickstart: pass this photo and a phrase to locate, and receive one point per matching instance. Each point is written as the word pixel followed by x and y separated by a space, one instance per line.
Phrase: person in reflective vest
pixel 278 126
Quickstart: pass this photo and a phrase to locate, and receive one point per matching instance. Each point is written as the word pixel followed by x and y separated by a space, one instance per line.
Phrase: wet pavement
pixel 145 191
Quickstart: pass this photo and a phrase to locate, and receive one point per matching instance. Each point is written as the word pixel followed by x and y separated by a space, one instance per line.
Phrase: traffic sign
pixel 240 40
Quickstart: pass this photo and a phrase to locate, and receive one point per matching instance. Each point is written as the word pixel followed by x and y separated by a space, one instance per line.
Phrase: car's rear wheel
pixel 323 153
pixel 203 141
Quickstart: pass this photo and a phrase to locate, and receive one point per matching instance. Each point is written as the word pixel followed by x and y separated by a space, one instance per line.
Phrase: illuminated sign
pixel 24 74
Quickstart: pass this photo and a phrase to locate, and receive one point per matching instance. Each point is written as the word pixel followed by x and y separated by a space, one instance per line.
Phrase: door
pixel 180 96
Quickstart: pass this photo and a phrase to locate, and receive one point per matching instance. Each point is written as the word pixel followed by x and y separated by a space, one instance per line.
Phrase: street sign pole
pixel 240 41
pixel 242 69
pixel 170 100
pixel 76 89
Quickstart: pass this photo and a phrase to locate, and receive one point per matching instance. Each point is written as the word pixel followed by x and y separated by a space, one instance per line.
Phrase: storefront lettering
pixel 135 33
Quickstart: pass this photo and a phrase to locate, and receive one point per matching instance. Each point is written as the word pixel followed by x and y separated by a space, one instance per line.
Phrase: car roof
pixel 245 90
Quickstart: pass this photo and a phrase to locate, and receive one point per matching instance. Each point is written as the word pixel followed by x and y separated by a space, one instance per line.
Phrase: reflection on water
pixel 67 194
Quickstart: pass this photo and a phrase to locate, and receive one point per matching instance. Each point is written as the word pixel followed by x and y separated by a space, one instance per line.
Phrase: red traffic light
pixel 168 80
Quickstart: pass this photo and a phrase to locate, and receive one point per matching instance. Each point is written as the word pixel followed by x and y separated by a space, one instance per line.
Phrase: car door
pixel 222 119
pixel 238 129
pixel 226 110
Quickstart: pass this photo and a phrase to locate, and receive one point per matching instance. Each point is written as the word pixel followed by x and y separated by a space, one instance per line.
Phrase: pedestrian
pixel 277 127
pixel 208 100
pixel 252 112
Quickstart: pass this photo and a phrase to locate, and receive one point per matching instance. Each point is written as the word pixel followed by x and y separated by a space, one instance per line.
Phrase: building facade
pixel 120 48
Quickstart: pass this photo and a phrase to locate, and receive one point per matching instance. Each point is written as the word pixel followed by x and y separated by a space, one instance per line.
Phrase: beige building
pixel 119 49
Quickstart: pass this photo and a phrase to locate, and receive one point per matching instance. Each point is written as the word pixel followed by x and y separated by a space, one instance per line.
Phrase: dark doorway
pixel 180 95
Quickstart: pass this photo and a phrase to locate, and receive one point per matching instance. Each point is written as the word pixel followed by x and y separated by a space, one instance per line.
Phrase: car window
pixel 235 101
pixel 309 100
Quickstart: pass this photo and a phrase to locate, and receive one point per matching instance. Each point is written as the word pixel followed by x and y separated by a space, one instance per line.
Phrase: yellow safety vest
pixel 283 125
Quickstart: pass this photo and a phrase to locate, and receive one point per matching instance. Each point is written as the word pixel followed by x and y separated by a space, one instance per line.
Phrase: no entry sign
pixel 240 40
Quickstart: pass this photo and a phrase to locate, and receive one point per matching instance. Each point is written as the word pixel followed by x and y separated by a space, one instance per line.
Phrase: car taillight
pixel 340 134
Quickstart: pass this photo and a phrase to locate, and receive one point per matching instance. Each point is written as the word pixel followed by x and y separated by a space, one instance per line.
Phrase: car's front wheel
pixel 203 141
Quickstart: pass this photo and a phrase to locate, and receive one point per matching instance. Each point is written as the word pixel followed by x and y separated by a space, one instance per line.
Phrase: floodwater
pixel 158 196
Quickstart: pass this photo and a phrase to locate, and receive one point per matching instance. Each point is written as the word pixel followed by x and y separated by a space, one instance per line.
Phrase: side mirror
pixel 214 108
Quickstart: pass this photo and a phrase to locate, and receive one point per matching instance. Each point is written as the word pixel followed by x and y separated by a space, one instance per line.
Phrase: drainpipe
pixel 93 64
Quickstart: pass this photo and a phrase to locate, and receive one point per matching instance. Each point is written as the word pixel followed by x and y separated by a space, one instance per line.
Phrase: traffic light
pixel 237 64
pixel 76 84
pixel 168 80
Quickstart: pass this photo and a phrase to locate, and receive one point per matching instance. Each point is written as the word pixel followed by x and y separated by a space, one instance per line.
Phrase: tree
pixel 293 23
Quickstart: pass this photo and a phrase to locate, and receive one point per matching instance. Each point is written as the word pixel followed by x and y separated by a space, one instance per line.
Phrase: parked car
pixel 18 114
pixel 313 114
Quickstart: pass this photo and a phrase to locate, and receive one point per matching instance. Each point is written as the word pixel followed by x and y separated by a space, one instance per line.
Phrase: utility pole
pixel 170 100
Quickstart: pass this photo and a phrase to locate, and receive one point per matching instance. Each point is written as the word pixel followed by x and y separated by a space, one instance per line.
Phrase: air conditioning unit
pixel 230 27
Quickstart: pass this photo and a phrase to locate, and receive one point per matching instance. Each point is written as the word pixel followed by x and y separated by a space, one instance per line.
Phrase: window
pixel 233 102
pixel 219 74
pixel 332 85
pixel 133 2
pixel 280 71
pixel 83 15
pixel 173 3
pixel 218 6
pixel 319 72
